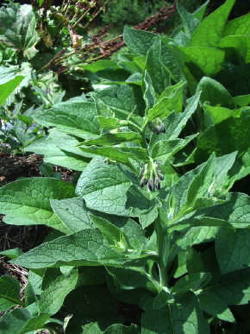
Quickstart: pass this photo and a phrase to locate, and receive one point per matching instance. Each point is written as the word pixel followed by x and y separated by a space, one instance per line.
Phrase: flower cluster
pixel 151 176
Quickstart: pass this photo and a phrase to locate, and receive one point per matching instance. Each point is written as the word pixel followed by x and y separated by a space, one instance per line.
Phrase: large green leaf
pixel 52 298
pixel 18 27
pixel 138 41
pixel 170 101
pixel 114 138
pixel 190 21
pixel 181 317
pixel 8 88
pixel 208 59
pixel 176 122
pixel 72 212
pixel 20 321
pixel 215 115
pixel 27 201
pixel 225 137
pixel 12 80
pixel 84 248
pixel 211 28
pixel 214 93
pixel 154 66
pixel 60 149
pixel 239 28
pixel 104 187
pixel 9 293
pixel 233 249
pixel 232 288
pixel 235 210
pixel 73 117
pixel 213 304
pixel 123 154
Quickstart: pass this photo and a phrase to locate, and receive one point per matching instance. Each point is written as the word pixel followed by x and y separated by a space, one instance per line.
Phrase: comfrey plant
pixel 143 243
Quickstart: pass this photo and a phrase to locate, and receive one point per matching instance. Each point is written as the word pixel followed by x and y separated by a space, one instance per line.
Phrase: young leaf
pixel 27 201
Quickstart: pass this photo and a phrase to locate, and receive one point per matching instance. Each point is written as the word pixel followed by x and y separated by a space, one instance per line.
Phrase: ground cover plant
pixel 153 236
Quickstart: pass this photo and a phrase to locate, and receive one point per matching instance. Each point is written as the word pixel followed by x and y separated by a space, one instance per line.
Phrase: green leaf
pixel 111 232
pixel 211 28
pixel 215 115
pixel 104 187
pixel 199 187
pixel 171 59
pixel 91 328
pixel 60 149
pixel 12 80
pixel 8 88
pixel 100 65
pixel 208 59
pixel 239 28
pixel 213 304
pixel 176 122
pixel 154 66
pixel 191 20
pixel 76 118
pixel 84 248
pixel 27 201
pixel 73 213
pixel 149 94
pixel 121 154
pixel 20 321
pixel 192 282
pixel 138 41
pixel 232 288
pixel 242 100
pixel 9 293
pixel 114 138
pixel 167 148
pixel 52 298
pixel 225 137
pixel 214 93
pixel 170 101
pixel 11 253
pixel 18 28
pixel 119 99
pixel 181 317
pixel 232 249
